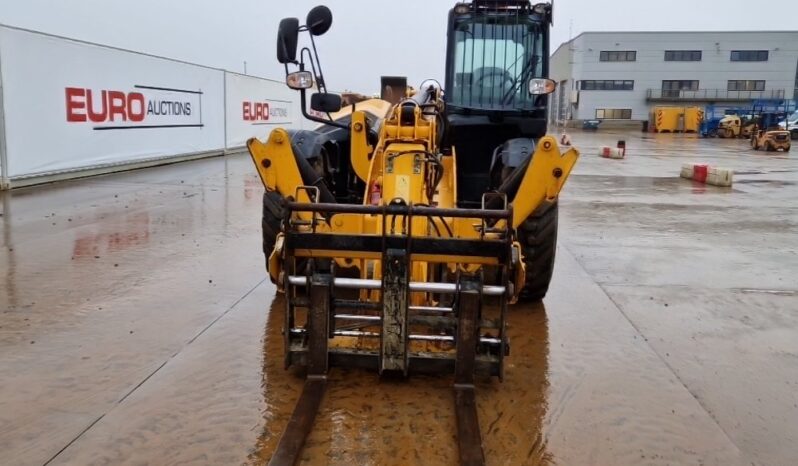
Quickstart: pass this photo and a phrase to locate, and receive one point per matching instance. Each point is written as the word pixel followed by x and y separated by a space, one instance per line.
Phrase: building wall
pixel 650 68
pixel 560 70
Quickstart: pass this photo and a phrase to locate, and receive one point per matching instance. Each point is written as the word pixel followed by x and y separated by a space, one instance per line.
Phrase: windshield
pixel 494 59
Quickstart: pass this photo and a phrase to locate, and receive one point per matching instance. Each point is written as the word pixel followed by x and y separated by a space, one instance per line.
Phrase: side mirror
pixel 287 39
pixel 319 20
pixel 326 103
pixel 542 86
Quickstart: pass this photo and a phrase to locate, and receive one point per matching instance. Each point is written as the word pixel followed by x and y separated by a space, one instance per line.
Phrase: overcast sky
pixel 369 38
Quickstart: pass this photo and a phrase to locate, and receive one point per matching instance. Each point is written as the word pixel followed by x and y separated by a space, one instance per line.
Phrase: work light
pixel 300 80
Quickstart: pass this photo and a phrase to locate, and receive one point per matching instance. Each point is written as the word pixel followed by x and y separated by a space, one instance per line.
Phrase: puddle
pixel 772 292
pixel 777 183
pixel 365 419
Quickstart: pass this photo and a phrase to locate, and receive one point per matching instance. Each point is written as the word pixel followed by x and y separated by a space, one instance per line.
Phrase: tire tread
pixel 538 238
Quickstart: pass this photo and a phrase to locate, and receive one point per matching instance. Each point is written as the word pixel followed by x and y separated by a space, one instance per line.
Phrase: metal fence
pixel 712 95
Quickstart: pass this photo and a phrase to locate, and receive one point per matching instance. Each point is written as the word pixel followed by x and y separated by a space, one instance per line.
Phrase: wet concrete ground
pixel 136 326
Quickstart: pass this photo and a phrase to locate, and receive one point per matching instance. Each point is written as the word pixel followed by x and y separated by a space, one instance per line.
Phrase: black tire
pixel 271 223
pixel 538 238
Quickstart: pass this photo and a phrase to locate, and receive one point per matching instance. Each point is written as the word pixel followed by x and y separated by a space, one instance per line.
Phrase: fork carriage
pixel 400 325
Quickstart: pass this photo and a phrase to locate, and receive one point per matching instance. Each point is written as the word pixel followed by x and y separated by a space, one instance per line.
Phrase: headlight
pixel 541 86
pixel 300 80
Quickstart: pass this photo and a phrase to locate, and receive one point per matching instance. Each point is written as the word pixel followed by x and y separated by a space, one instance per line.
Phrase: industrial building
pixel 619 76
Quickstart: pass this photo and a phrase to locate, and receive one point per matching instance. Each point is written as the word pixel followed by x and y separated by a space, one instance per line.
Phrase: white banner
pixel 71 105
pixel 255 106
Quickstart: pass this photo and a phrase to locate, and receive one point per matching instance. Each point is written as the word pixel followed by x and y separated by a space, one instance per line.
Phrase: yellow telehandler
pixel 400 229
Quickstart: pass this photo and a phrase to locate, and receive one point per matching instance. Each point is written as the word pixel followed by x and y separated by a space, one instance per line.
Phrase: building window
pixel 746 85
pixel 674 88
pixel 607 85
pixel 682 55
pixel 749 55
pixel 613 113
pixel 618 56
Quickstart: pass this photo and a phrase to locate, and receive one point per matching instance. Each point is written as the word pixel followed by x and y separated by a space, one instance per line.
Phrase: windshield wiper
pixel 525 74
pixel 509 98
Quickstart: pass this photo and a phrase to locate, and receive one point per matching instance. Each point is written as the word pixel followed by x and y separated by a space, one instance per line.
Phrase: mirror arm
pixel 312 63
pixel 320 78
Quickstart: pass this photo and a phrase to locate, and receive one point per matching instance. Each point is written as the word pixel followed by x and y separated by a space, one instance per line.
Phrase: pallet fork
pixel 317 314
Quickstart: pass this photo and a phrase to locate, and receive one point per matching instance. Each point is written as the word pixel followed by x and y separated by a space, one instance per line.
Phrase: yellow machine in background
pixel 771 141
pixel 734 126
pixel 693 116
pixel 730 126
pixel 767 134
pixel 401 228
pixel 678 119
